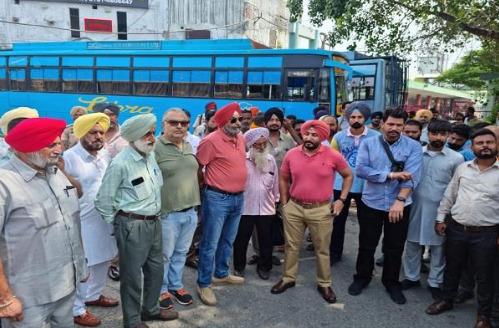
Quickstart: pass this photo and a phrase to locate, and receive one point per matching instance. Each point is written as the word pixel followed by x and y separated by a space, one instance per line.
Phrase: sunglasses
pixel 184 124
pixel 235 119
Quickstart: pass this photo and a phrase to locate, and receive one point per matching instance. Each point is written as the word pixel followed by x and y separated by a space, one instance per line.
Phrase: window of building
pixel 122 28
pixel 74 20
pixel 197 34
pixel 264 85
pixel 187 83
pixel 228 84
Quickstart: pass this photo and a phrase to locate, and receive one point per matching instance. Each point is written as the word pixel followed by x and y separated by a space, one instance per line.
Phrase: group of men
pixel 76 200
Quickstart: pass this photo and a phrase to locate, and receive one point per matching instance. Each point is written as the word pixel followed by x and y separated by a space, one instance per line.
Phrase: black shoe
pixel 276 261
pixel 463 296
pixel 436 293
pixel 408 284
pixel 396 295
pixel 192 262
pixel 356 287
pixel 264 274
pixel 310 247
pixel 253 260
pixel 239 273
pixel 380 261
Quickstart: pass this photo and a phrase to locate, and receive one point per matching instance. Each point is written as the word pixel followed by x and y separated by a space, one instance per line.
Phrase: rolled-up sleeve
pixel 364 170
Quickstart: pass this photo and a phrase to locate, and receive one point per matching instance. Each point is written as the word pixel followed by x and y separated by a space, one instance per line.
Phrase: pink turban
pixel 224 114
pixel 320 127
pixel 252 136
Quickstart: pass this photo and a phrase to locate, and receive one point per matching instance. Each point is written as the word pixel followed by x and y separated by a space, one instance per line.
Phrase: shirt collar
pixel 135 154
pixel 475 166
pixel 322 148
pixel 26 171
pixel 445 151
pixel 227 138
pixel 84 153
pixel 364 133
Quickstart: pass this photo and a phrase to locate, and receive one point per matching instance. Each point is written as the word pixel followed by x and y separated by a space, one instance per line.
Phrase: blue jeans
pixel 178 230
pixel 220 220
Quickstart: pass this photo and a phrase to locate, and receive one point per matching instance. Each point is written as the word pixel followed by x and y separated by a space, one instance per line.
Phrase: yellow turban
pixel 19 112
pixel 85 123
pixel 424 112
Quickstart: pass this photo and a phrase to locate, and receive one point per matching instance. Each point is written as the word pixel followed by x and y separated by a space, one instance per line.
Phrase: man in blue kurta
pixel 439 164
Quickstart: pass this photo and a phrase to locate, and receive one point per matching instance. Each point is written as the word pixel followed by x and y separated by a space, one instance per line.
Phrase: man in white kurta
pixel 439 164
pixel 87 162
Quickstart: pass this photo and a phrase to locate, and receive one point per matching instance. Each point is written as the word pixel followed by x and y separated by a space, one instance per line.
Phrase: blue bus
pixel 379 81
pixel 152 76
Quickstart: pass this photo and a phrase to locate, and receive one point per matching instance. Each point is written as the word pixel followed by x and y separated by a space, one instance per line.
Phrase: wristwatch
pixel 402 199
pixel 343 200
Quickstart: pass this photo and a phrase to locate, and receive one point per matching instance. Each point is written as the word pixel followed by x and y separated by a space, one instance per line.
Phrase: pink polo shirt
pixel 312 177
pixel 224 159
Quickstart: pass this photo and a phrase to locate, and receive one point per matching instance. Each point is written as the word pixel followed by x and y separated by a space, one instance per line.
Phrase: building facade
pixel 263 21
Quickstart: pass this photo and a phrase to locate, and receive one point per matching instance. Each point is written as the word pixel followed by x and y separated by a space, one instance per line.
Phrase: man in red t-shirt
pixel 222 154
pixel 306 188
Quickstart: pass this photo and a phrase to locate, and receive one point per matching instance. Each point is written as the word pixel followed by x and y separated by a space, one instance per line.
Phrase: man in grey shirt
pixel 40 243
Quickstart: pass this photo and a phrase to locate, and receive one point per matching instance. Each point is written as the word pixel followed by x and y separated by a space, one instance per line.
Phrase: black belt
pixel 223 191
pixel 186 209
pixel 138 216
pixel 462 227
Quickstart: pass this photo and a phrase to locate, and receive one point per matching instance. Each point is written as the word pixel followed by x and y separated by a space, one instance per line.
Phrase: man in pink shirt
pixel 305 184
pixel 222 154
pixel 260 195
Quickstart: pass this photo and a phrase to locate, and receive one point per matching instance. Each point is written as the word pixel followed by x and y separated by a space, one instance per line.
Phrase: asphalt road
pixel 252 304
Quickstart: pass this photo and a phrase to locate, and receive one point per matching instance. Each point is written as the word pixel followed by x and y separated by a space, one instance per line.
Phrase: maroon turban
pixel 224 114
pixel 320 127
pixel 34 134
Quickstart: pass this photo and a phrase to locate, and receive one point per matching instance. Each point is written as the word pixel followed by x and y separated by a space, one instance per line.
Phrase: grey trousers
pixel 412 263
pixel 57 314
pixel 140 247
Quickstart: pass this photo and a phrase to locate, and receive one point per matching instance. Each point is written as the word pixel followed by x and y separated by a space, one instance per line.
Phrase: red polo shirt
pixel 312 177
pixel 224 159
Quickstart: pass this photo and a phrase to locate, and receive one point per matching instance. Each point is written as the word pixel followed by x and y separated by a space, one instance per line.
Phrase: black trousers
pixel 481 250
pixel 371 222
pixel 338 235
pixel 263 225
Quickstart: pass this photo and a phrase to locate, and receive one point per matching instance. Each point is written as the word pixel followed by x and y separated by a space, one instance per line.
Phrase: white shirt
pixel 194 141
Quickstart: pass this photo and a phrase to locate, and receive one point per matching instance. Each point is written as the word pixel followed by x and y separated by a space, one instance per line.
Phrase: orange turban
pixel 320 127
pixel 224 114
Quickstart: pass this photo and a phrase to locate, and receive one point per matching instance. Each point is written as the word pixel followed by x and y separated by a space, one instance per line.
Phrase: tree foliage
pixel 398 26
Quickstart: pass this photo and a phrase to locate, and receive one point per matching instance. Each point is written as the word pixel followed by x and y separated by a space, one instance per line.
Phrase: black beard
pixel 356 125
pixel 332 133
pixel 454 146
pixel 493 154
pixel 310 146
pixel 437 144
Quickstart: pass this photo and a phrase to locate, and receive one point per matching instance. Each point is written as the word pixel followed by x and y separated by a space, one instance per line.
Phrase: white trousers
pixel 92 289
pixel 412 263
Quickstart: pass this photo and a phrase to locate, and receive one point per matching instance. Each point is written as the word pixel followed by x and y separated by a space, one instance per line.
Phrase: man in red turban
pixel 39 229
pixel 320 127
pixel 224 114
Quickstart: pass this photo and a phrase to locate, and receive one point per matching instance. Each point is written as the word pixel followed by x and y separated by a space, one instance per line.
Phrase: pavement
pixel 252 304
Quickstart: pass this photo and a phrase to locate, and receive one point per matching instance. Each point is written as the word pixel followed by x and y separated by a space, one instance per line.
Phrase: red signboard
pixel 98 25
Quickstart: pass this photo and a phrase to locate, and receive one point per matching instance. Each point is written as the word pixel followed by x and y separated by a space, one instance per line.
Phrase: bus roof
pixel 170 47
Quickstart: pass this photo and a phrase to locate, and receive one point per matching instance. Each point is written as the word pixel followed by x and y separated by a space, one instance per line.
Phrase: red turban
pixel 224 114
pixel 34 134
pixel 320 127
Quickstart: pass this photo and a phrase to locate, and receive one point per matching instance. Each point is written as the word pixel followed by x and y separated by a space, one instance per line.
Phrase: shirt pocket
pixel 44 214
pixel 142 190
pixel 268 180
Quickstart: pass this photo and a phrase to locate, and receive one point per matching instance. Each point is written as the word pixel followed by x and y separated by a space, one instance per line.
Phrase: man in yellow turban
pixel 424 116
pixel 87 162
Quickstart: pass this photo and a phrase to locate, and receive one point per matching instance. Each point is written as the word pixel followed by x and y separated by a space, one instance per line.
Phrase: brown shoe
pixel 103 301
pixel 87 319
pixel 163 315
pixel 281 287
pixel 439 307
pixel 482 322
pixel 327 294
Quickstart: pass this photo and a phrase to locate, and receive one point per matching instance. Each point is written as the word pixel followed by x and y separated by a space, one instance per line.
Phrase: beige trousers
pixel 319 222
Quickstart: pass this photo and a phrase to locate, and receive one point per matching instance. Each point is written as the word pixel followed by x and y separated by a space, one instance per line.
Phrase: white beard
pixel 39 161
pixel 260 159
pixel 144 146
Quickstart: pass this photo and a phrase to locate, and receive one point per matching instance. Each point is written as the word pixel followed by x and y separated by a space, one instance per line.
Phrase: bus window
pixel 113 81
pixel 45 79
pixel 228 84
pixel 264 85
pixel 191 83
pixel 324 85
pixel 363 82
pixel 341 87
pixel 3 74
pixel 301 85
pixel 150 82
pixel 17 79
pixel 77 80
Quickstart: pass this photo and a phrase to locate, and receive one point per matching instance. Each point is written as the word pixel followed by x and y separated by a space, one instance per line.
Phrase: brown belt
pixel 465 228
pixel 138 216
pixel 309 205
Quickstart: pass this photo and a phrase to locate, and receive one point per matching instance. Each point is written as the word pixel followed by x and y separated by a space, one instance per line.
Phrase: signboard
pixel 114 3
pixel 98 25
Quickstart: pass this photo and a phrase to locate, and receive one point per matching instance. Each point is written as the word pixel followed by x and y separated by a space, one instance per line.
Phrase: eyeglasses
pixel 235 119
pixel 184 124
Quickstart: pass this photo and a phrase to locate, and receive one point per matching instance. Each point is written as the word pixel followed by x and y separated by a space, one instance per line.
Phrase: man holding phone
pixel 391 166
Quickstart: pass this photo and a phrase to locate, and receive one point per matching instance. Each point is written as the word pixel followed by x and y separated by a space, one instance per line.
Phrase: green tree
pixel 388 26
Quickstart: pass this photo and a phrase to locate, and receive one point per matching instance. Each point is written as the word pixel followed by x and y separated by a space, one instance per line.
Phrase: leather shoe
pixel 439 307
pixel 263 274
pixel 87 319
pixel 463 296
pixel 103 301
pixel 281 287
pixel 162 315
pixel 327 294
pixel 482 322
